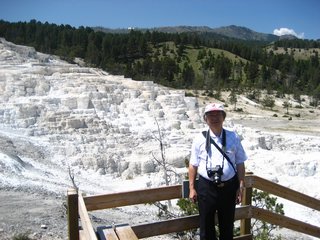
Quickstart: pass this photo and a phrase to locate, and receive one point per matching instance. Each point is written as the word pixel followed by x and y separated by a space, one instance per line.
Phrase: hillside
pixel 183 59
pixel 297 53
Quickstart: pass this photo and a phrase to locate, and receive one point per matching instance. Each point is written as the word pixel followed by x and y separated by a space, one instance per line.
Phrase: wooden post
pixel 73 219
pixel 245 224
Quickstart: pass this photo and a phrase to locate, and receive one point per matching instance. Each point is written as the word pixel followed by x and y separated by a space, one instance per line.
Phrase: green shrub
pixel 21 236
pixel 260 229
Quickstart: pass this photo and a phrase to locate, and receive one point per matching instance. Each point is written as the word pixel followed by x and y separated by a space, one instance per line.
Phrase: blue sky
pixel 298 17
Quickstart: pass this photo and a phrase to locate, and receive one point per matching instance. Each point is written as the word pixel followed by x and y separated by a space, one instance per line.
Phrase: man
pixel 221 174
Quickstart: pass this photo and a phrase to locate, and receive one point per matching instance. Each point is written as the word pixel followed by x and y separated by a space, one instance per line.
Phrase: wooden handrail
pixel 105 201
pixel 286 222
pixel 168 226
pixel 281 191
pixel 88 230
pixel 253 181
pixel 244 213
pixel 180 224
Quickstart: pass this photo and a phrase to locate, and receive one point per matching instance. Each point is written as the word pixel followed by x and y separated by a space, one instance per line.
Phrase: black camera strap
pixel 209 140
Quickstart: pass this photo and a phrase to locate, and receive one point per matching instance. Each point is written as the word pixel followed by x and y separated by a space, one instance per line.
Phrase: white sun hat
pixel 212 107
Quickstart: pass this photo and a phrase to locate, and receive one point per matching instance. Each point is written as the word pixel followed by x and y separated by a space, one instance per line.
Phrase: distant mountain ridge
pixel 231 31
pixel 245 33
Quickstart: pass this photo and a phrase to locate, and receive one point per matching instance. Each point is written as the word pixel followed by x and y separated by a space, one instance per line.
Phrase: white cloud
pixel 287 31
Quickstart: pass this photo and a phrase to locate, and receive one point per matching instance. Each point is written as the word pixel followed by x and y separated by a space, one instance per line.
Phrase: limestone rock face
pixel 95 120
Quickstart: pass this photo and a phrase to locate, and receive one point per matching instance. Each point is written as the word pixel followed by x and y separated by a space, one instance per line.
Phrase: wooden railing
pixel 79 206
pixel 253 181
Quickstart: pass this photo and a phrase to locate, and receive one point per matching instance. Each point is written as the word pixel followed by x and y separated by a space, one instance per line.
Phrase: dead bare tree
pixel 71 175
pixel 167 168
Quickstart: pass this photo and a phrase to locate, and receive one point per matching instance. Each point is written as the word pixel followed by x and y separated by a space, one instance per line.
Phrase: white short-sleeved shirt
pixel 234 150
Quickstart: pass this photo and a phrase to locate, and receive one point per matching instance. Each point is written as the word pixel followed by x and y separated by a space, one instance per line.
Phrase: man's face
pixel 215 118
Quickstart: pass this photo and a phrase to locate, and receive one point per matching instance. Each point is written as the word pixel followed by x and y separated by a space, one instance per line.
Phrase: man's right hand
pixel 192 178
pixel 193 195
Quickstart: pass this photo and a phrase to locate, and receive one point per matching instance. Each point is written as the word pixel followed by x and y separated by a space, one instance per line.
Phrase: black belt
pixel 223 183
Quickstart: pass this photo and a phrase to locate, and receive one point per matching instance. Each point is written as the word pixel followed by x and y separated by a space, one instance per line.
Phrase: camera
pixel 215 173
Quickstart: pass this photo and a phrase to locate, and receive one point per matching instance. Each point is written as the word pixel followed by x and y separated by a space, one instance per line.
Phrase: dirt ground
pixel 44 216
pixel 37 216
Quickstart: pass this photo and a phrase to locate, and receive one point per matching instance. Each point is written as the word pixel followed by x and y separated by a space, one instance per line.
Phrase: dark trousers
pixel 212 199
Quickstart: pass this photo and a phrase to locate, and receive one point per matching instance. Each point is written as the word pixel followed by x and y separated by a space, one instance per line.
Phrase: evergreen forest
pixel 189 60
